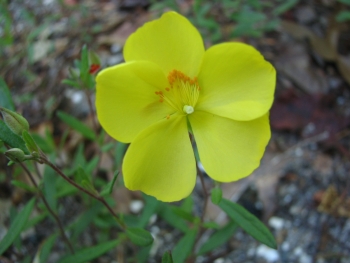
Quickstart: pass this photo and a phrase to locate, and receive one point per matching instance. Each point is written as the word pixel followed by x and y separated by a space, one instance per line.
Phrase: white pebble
pixel 269 254
pixel 136 206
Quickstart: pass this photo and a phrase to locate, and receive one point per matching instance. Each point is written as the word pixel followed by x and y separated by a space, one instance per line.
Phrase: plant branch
pixel 93 195
pixel 58 221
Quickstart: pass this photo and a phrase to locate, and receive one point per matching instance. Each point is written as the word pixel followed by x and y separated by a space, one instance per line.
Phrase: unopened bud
pixel 16 123
pixel 15 155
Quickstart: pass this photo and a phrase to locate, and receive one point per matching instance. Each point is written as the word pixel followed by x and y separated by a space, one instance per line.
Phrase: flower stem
pixel 57 219
pixel 205 192
pixel 97 197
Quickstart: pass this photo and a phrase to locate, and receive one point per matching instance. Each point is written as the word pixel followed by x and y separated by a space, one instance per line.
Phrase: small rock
pixel 269 254
pixel 136 206
pixel 276 222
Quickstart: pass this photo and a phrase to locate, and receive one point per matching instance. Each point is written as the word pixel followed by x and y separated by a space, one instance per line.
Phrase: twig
pixel 58 221
pixel 97 197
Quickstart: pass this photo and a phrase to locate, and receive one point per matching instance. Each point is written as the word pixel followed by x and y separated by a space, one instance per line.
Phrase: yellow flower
pixel 169 83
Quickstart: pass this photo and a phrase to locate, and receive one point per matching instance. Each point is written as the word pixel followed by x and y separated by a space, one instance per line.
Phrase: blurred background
pixel 300 191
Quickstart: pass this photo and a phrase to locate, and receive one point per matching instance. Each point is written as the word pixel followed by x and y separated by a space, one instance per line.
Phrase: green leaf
pixel 284 7
pixel 142 254
pixel 167 257
pixel 252 225
pixel 16 226
pixel 347 2
pixel 84 220
pixel 139 236
pixel 120 150
pixel 49 188
pixel 10 138
pixel 90 253
pixel 107 190
pixel 183 214
pixel 24 186
pixel 5 96
pixel 343 16
pixel 84 179
pixel 171 218
pixel 44 144
pixel 218 238
pixel 183 249
pixel 45 248
pixel 30 143
pixel 187 204
pixel 149 209
pixel 216 195
pixel 211 224
pixel 84 64
pixel 91 165
pixel 35 220
pixel 70 82
pixel 77 125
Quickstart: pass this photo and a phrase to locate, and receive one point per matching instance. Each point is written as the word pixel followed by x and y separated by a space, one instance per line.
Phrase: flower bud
pixel 15 155
pixel 16 123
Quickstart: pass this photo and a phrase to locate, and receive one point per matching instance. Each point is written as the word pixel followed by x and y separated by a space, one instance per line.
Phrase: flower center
pixel 182 93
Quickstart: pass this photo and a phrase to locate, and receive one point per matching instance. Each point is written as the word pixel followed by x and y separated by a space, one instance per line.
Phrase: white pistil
pixel 188 109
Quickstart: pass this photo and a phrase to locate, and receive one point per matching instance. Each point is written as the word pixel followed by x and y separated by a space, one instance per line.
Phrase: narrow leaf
pixel 167 257
pixel 30 143
pixel 218 238
pixel 252 225
pixel 76 125
pixel 183 249
pixel 216 195
pixel 139 236
pixel 172 219
pixel 24 186
pixel 5 96
pixel 16 226
pixel 90 253
pixel 149 209
pixel 107 190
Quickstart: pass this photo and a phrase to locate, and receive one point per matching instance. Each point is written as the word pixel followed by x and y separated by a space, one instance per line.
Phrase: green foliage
pixel 30 143
pixel 243 18
pixel 219 238
pixel 216 195
pixel 77 125
pixel 90 253
pixel 46 247
pixel 184 247
pixel 23 186
pixel 167 257
pixel 16 226
pixel 252 225
pixel 5 96
pixel 10 138
pixel 139 236
pixel 343 16
pixel 107 190
pixel 6 24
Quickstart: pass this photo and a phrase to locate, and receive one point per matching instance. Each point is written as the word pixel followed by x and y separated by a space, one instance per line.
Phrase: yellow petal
pixel 160 161
pixel 126 102
pixel 171 42
pixel 236 82
pixel 229 150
